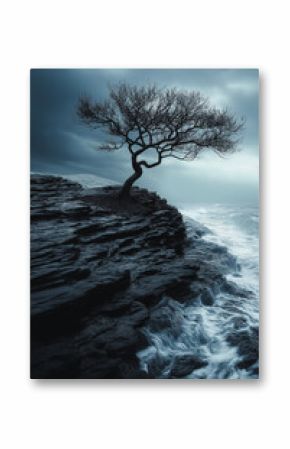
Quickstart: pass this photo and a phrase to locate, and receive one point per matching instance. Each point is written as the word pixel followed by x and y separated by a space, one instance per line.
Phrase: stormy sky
pixel 61 144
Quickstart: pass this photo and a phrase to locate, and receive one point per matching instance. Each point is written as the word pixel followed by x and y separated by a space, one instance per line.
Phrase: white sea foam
pixel 205 330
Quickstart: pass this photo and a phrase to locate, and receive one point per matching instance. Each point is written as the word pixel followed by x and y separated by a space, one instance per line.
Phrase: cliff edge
pixel 99 269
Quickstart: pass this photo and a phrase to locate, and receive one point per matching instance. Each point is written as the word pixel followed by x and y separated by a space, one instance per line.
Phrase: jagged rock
pixel 156 366
pixel 247 343
pixel 160 319
pixel 184 365
pixel 126 340
pixel 207 297
pixel 91 259
pixel 99 270
pixel 247 362
pixel 166 317
pixel 233 289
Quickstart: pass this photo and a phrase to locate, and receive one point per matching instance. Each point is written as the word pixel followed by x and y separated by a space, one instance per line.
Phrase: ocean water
pixel 205 330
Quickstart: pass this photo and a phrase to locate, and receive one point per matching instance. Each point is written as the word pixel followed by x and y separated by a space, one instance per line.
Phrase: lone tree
pixel 176 124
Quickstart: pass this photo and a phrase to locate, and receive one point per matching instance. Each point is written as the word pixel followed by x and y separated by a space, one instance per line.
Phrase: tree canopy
pixel 176 124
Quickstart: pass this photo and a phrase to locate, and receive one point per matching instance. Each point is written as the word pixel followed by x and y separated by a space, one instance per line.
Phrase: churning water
pixel 223 335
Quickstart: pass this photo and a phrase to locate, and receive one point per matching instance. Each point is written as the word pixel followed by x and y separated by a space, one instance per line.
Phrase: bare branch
pixel 177 124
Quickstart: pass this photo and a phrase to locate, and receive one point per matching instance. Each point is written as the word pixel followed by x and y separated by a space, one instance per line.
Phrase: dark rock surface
pixel 185 364
pixel 96 265
pixel 100 269
pixel 247 343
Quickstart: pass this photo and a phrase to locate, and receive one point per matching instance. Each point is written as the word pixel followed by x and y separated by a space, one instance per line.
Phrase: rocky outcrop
pixel 100 269
pixel 185 364
pixel 96 266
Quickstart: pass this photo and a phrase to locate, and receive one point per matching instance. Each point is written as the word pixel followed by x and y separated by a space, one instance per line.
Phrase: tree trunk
pixel 125 191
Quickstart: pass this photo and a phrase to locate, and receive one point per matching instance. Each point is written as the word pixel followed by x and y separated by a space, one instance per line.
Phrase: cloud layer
pixel 59 143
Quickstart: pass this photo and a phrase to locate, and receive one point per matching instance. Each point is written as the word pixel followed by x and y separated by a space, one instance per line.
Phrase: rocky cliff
pixel 99 270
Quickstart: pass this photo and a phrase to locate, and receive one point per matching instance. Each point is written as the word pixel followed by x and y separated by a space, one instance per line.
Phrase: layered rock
pixel 102 270
pixel 96 266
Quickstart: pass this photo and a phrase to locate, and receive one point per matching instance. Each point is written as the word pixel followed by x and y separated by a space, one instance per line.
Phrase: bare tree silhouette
pixel 176 124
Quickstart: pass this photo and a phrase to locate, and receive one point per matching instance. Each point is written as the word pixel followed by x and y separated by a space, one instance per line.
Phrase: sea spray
pixel 224 335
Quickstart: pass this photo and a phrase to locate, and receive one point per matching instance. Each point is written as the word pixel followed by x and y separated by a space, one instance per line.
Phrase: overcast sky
pixel 61 144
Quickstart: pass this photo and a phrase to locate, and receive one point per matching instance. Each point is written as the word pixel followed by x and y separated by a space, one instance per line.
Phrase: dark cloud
pixel 59 143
